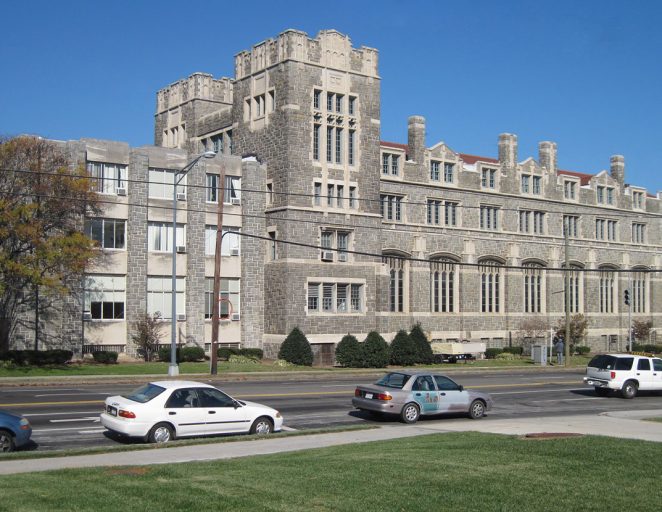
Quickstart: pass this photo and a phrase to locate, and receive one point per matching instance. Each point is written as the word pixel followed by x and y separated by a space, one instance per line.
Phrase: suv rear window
pixel 604 362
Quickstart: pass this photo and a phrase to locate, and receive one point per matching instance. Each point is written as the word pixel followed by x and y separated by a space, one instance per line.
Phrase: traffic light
pixel 627 297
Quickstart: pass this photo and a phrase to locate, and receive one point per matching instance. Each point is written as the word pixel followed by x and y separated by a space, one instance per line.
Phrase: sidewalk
pixel 623 424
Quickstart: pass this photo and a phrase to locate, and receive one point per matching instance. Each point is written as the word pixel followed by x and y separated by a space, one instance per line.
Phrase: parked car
pixel 626 373
pixel 161 411
pixel 15 431
pixel 411 395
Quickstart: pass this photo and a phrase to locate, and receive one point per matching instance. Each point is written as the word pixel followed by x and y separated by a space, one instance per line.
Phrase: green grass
pixel 657 419
pixel 458 472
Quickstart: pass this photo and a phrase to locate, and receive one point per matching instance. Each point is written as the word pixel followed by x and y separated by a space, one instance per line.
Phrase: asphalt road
pixel 68 416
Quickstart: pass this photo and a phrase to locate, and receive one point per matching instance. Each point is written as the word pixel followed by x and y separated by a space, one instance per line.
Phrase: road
pixel 68 416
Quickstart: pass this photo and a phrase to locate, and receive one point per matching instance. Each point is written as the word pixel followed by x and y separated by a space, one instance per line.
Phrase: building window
pixel 351 142
pixel 638 233
pixel 317 194
pixel 638 295
pixel 329 102
pixel 488 178
pixel 537 185
pixel 638 200
pixel 108 233
pixel 450 213
pixel 390 164
pixel 339 103
pixel 105 297
pixel 443 285
pixel 533 287
pixel 336 240
pixel 159 296
pixel 313 296
pixel 610 195
pixel 212 188
pixel 159 236
pixel 317 94
pixel 161 182
pixel 231 242
pixel 338 145
pixel 329 144
pixel 490 281
pixel 232 191
pixel 330 195
pixel 434 209
pixel 576 286
pixel 391 207
pixel 336 298
pixel 396 283
pixel 489 217
pixel 229 297
pixel 351 107
pixel 108 177
pixel 273 252
pixel 449 170
pixel 605 229
pixel 526 179
pixel 607 291
pixel 569 190
pixel 340 189
pixel 600 194
pixel 532 222
pixel 435 170
pixel 352 197
pixel 570 225
pixel 316 141
pixel 270 194
pixel 217 143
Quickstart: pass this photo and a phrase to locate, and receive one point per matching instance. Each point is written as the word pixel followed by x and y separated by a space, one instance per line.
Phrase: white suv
pixel 626 373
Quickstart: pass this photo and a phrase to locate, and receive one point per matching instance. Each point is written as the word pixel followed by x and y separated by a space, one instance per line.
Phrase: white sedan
pixel 161 411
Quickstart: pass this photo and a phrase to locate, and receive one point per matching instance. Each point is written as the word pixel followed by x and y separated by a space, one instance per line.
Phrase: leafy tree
pixel 147 334
pixel 296 349
pixel 641 329
pixel 43 251
pixel 578 329
pixel 425 355
pixel 403 350
pixel 375 352
pixel 348 352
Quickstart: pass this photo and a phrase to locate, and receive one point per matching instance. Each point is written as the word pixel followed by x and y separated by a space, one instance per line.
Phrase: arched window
pixel 639 291
pixel 490 282
pixel 396 283
pixel 533 287
pixel 443 285
pixel 607 290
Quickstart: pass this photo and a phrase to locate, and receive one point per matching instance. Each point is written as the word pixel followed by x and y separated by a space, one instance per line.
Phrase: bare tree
pixel 531 329
pixel 147 334
pixel 641 329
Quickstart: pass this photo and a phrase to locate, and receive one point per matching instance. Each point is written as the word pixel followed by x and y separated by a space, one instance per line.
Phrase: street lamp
pixel 173 369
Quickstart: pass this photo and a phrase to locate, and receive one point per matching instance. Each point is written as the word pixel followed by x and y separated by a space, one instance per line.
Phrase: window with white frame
pixel 533 287
pixel 338 298
pixel 532 222
pixel 108 177
pixel 105 297
pixel 231 191
pixel 391 207
pixel 489 219
pixel 488 178
pixel 490 283
pixel 526 183
pixel 576 289
pixel 435 170
pixel 390 164
pixel 443 284
pixel 571 225
pixel 397 282
pixel 109 233
pixel 161 183
pixel 607 292
pixel 449 172
pixel 638 233
pixel 229 297
pixel 434 211
pixel 332 240
pixel 570 189
pixel 231 242
pixel 639 291
pixel 160 239
pixel 159 295
pixel 638 200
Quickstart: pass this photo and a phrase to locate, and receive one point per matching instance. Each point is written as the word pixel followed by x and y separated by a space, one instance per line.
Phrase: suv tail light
pixel 612 375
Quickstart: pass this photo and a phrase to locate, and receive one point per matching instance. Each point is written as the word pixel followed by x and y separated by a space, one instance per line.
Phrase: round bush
pixel 507 356
pixel 403 350
pixel 191 354
pixel 296 349
pixel 375 352
pixel 255 353
pixel 348 352
pixel 105 357
pixel 491 353
pixel 425 355
pixel 582 350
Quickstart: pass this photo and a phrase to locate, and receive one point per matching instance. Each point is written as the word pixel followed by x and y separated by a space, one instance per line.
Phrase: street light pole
pixel 216 306
pixel 173 369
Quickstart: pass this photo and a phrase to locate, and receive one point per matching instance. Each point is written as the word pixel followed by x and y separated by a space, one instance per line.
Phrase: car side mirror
pixel 236 404
pixel 460 387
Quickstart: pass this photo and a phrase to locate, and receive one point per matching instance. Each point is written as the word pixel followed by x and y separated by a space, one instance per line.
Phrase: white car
pixel 161 411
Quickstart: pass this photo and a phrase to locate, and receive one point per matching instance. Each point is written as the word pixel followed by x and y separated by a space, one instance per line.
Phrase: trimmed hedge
pixel 518 351
pixel 224 353
pixel 105 357
pixel 37 357
pixel 582 349
pixel 375 352
pixel 404 351
pixel 423 347
pixel 296 349
pixel 492 353
pixel 647 347
pixel 349 352
pixel 192 354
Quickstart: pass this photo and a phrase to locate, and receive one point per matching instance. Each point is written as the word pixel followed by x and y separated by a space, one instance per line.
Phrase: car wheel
pixel 262 426
pixel 6 441
pixel 602 391
pixel 410 413
pixel 629 389
pixel 160 433
pixel 477 409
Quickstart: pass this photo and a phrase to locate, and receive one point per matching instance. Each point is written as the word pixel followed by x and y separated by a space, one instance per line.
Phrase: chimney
pixel 416 139
pixel 547 155
pixel 508 150
pixel 617 168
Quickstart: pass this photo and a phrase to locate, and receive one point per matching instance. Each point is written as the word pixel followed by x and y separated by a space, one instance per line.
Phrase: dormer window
pixel 570 190
pixel 488 178
pixel 638 200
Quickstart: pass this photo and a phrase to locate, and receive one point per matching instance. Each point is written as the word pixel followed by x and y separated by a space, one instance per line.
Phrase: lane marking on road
pixel 29 404
pixel 571 399
pixel 288 429
pixel 95 431
pixel 72 394
pixel 31 414
pixel 46 430
pixel 536 391
pixel 93 419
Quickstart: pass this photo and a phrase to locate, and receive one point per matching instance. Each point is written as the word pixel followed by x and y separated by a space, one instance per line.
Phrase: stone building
pixel 340 232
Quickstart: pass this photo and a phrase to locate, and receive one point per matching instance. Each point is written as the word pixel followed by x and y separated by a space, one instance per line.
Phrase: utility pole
pixel 216 304
pixel 566 277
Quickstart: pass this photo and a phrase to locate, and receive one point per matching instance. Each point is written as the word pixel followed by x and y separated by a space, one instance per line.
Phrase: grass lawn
pixel 439 472
pixel 140 368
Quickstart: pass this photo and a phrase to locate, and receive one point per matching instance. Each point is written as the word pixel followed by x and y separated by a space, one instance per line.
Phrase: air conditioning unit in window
pixel 236 317
pixel 235 200
pixel 234 252
pixel 181 317
pixel 121 191
pixel 181 249
pixel 327 255
pixel 342 256
pixel 87 316
pixel 181 196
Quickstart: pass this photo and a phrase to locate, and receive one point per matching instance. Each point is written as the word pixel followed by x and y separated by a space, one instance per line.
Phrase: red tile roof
pixel 472 159
pixel 584 178
pixel 395 145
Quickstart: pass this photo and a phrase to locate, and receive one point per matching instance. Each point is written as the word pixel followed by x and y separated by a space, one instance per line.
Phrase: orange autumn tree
pixel 44 199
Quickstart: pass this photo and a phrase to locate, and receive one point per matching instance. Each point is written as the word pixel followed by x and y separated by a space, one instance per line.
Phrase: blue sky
pixel 585 74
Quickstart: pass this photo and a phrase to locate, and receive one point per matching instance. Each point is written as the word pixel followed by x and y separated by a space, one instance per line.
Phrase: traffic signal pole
pixel 628 302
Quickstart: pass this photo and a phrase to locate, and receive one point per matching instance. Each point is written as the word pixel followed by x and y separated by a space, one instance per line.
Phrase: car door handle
pixel 418 394
pixel 172 413
pixel 442 394
pixel 211 412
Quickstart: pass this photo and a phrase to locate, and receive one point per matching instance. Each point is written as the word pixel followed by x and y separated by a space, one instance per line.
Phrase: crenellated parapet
pixel 329 49
pixel 200 86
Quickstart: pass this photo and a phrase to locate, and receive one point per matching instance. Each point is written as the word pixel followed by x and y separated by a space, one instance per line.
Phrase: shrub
pixel 296 349
pixel 237 359
pixel 164 354
pixel 582 349
pixel 105 356
pixel 403 350
pixel 375 352
pixel 425 355
pixel 147 334
pixel 281 363
pixel 348 352
pixel 507 356
pixel 492 353
pixel 190 354
pixel 37 357
pixel 255 353
pixel 518 351
pixel 224 353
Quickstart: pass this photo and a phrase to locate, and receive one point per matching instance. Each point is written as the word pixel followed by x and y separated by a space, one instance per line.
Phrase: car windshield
pixel 604 362
pixel 145 393
pixel 393 380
